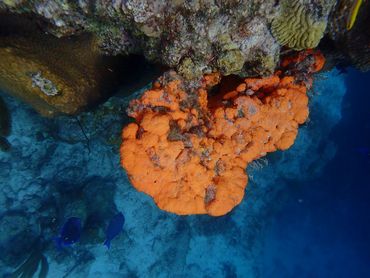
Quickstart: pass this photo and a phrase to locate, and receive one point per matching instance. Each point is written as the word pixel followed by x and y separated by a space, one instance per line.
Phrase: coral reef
pixel 53 75
pixel 51 78
pixel 194 134
pixel 189 151
pixel 300 25
pixel 154 243
pixel 228 36
pixel 200 37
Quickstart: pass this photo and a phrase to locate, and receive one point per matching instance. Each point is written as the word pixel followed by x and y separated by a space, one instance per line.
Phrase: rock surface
pixel 56 76
pixel 195 37
pixel 199 36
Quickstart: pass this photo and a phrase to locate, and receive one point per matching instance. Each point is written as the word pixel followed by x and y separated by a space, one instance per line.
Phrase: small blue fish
pixel 70 232
pixel 114 228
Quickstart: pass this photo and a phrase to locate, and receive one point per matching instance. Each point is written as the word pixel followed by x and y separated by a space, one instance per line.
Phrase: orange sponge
pixel 190 156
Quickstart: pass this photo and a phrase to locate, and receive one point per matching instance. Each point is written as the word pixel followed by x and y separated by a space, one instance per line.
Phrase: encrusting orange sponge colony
pixel 189 149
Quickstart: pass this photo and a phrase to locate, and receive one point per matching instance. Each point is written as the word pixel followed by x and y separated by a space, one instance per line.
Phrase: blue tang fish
pixel 70 232
pixel 114 228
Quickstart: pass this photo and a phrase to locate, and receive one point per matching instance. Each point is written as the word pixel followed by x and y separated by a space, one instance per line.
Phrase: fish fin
pixel 107 243
pixel 353 14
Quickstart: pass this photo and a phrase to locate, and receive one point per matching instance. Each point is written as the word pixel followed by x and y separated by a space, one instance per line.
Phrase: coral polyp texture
pixel 189 147
pixel 300 27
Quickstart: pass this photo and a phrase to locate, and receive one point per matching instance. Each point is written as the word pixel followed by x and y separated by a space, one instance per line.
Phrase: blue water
pixel 327 232
pixel 305 213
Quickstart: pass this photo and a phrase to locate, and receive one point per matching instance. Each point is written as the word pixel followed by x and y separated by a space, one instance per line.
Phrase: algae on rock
pixel 231 61
pixel 199 37
pixel 168 32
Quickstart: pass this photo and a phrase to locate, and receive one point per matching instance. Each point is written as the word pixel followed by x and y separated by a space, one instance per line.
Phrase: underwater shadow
pixel 324 222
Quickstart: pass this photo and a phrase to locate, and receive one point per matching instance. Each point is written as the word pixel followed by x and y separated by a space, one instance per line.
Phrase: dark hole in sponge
pixel 216 93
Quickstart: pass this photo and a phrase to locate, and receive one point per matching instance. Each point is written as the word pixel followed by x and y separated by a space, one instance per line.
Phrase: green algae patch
pixel 231 61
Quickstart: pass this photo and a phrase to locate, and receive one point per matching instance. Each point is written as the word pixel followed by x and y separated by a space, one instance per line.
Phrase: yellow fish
pixel 353 14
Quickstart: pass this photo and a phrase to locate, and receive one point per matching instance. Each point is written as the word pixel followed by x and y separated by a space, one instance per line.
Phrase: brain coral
pixel 299 25
pixel 189 148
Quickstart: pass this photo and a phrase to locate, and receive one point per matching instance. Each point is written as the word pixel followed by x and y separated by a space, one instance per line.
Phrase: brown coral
pixel 32 69
pixel 190 153
pixel 55 76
